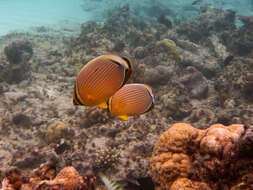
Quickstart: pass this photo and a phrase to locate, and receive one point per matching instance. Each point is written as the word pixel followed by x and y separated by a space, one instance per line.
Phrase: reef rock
pixel 157 75
pixel 177 107
pixel 195 82
pixel 201 117
pixel 200 57
pixel 215 158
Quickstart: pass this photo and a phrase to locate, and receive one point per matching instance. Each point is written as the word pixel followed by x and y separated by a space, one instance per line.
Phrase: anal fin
pixel 103 105
pixel 124 117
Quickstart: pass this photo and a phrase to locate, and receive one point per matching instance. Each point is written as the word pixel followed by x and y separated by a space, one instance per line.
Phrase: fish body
pixel 130 100
pixel 100 78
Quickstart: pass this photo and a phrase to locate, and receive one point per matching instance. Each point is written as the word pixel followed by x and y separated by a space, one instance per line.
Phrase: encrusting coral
pixel 191 158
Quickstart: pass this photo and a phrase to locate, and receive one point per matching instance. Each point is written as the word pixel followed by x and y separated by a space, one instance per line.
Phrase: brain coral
pixel 191 158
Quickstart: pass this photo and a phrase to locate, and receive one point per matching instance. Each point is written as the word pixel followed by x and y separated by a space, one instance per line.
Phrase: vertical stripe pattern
pixel 99 80
pixel 131 99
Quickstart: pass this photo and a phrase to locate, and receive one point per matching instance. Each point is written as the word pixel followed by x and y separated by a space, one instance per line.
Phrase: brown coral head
pixel 203 159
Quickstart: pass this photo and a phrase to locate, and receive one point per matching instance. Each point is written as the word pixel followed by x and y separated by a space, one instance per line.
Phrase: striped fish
pixel 130 100
pixel 100 78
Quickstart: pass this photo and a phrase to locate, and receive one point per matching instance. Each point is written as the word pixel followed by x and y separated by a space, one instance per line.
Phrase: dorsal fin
pixel 128 72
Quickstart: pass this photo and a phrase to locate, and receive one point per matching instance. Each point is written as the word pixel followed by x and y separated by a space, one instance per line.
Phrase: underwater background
pixel 21 14
pixel 196 55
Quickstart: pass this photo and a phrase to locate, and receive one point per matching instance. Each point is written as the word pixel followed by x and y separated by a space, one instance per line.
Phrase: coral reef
pixel 210 21
pixel 239 40
pixel 213 158
pixel 18 52
pixel 191 79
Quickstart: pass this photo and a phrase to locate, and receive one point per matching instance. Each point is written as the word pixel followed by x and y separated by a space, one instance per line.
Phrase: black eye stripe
pixel 76 101
pixel 115 62
pixel 128 61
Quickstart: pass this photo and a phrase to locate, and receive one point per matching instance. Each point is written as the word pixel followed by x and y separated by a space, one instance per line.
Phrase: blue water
pixel 22 14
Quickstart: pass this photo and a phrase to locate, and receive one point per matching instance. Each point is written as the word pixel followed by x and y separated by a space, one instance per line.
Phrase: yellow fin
pixel 103 105
pixel 124 117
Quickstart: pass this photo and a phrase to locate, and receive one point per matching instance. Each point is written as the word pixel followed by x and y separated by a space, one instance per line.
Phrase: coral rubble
pixel 45 178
